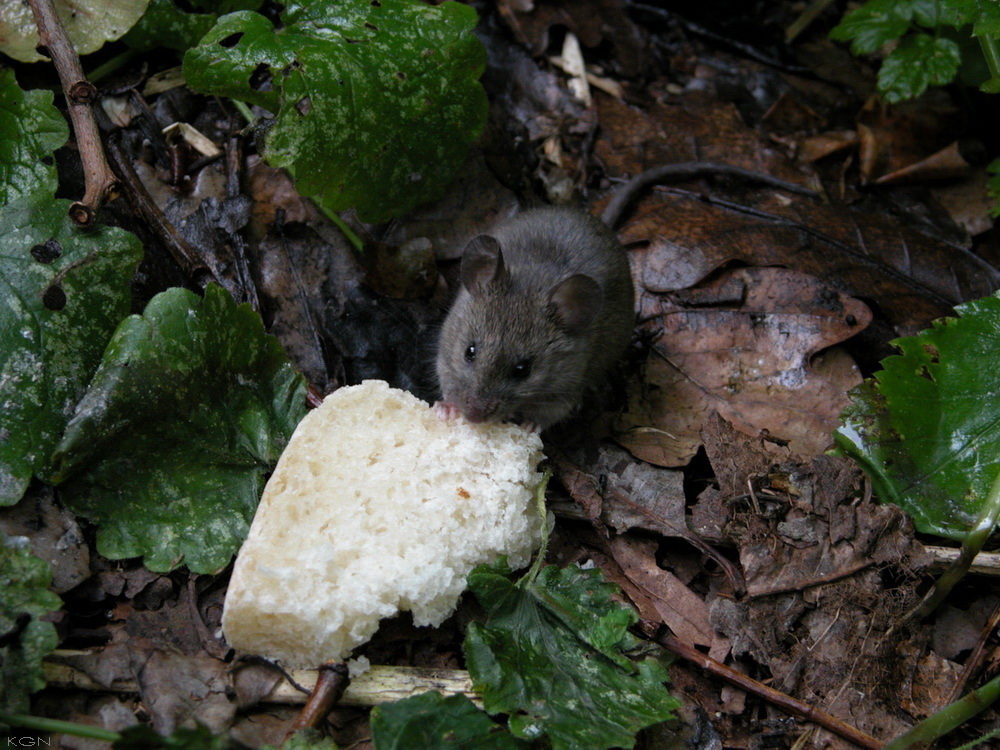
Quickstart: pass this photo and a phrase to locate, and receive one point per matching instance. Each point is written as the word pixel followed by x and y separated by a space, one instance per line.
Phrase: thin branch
pixel 101 183
pixel 330 686
pixel 779 699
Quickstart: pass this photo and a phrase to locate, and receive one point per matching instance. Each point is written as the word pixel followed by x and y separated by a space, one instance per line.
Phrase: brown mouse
pixel 546 306
pixel 544 309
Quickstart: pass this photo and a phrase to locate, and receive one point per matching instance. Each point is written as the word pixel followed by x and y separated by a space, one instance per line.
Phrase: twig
pixel 330 686
pixel 182 252
pixel 234 167
pixel 101 185
pixel 986 563
pixel 975 658
pixel 377 685
pixel 783 701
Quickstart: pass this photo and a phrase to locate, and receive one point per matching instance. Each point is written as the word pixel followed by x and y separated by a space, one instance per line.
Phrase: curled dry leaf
pixel 741 345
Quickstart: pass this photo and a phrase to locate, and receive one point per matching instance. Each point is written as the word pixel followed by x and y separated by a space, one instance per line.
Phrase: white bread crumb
pixel 377 506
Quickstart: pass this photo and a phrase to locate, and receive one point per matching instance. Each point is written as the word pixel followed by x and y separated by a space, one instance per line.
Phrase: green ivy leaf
pixel 933 13
pixel 873 24
pixel 24 599
pixel 375 104
pixel 919 61
pixel 165 25
pixel 430 721
pixel 927 428
pixel 30 130
pixel 189 409
pixel 548 656
pixel 983 14
pixel 62 292
pixel 88 23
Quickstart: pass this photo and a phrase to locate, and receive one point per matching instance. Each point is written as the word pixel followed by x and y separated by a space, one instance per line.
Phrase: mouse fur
pixel 544 309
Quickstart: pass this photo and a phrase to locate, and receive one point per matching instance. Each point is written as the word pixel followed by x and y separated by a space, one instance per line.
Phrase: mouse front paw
pixel 446 411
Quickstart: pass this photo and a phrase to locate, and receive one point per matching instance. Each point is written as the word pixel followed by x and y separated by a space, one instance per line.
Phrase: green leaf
pixel 919 61
pixel 30 130
pixel 873 24
pixel 993 186
pixel 548 655
pixel 927 428
pixel 430 721
pixel 375 104
pixel 62 292
pixel 165 25
pixel 984 14
pixel 188 411
pixel 307 739
pixel 26 639
pixel 88 23
pixel 933 14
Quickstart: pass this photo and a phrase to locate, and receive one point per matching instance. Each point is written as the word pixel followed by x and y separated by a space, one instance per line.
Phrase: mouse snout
pixel 479 408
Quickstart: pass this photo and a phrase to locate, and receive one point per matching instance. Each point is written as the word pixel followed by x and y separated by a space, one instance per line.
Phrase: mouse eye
pixel 470 353
pixel 521 369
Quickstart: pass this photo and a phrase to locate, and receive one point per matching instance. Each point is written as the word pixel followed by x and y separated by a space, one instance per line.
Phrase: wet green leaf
pixel 920 60
pixel 554 655
pixel 927 427
pixel 873 24
pixel 375 104
pixel 432 722
pixel 62 292
pixel 88 23
pixel 164 24
pixel 24 599
pixel 168 450
pixel 30 130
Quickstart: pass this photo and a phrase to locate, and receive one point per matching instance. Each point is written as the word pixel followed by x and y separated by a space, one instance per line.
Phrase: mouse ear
pixel 575 302
pixel 482 264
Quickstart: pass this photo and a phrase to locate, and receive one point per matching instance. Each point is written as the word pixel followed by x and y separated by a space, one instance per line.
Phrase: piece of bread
pixel 377 506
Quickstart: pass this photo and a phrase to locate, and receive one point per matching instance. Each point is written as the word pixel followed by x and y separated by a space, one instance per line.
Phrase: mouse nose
pixel 479 409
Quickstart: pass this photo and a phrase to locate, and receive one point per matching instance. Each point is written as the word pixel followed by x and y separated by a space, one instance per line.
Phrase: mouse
pixel 544 309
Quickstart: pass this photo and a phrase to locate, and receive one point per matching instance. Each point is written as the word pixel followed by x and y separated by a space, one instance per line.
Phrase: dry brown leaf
pixel 943 164
pixel 691 127
pixel 739 345
pixel 817 147
pixel 828 572
pixel 913 278
pixel 789 114
pixel 54 534
pixel 683 611
pixel 895 136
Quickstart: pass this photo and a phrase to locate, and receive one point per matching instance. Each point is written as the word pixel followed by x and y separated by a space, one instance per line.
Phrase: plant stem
pixel 348 232
pixel 43 724
pixel 540 506
pixel 949 717
pixel 971 545
pixel 991 51
pixel 244 110
pixel 110 66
